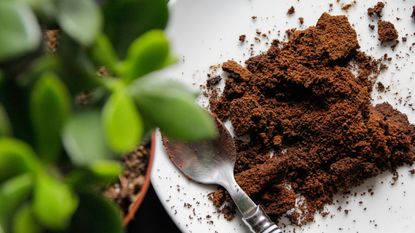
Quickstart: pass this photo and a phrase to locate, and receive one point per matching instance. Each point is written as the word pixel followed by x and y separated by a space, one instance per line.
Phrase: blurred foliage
pixel 72 103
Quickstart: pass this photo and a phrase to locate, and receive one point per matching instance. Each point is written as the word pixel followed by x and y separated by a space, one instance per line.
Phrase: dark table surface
pixel 151 217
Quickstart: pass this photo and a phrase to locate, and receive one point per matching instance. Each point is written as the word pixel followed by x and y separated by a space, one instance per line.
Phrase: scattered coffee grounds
pixel 372 27
pixel 301 20
pixel 376 10
pixel 380 87
pixel 125 190
pixel 304 125
pixel 413 12
pixel 387 32
pixel 347 6
pixel 291 11
pixel 242 38
pixel 213 81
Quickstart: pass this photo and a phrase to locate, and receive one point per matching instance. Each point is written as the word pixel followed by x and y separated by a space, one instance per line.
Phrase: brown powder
pixel 242 38
pixel 376 10
pixel 291 10
pixel 347 6
pixel 380 87
pixel 301 20
pixel 304 124
pixel 213 81
pixel 387 32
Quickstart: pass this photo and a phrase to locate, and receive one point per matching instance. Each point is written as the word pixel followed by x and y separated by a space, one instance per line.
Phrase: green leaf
pixel 103 53
pixel 80 19
pixel 25 222
pixel 84 140
pixel 96 215
pixel 173 109
pixel 5 127
pixel 148 82
pixel 96 175
pixel 54 203
pixel 128 19
pixel 44 9
pixel 107 170
pixel 12 193
pixel 16 158
pixel 19 31
pixel 49 108
pixel 171 60
pixel 122 122
pixel 146 54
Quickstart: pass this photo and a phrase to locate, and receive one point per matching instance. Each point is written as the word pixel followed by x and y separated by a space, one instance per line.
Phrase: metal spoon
pixel 212 162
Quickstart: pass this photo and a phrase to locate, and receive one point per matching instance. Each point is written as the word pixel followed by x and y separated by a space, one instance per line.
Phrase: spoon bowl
pixel 204 161
pixel 212 162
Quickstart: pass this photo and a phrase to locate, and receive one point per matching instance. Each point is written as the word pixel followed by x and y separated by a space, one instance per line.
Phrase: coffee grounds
pixel 124 192
pixel 291 10
pixel 304 125
pixel 413 12
pixel 387 32
pixel 380 87
pixel 347 6
pixel 376 10
pixel 213 81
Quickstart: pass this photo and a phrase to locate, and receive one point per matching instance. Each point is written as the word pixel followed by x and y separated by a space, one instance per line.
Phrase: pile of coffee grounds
pixel 376 10
pixel 387 32
pixel 304 125
pixel 124 192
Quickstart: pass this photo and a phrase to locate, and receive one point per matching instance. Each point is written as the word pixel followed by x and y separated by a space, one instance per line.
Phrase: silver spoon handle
pixel 259 222
pixel 253 215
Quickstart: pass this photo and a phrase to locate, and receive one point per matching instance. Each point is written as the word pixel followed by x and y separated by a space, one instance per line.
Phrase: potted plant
pixel 68 116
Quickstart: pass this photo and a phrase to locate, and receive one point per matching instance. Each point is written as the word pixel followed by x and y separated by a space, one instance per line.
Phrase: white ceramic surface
pixel 206 32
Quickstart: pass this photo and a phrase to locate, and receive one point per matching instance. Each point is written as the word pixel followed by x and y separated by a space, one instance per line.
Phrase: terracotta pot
pixel 140 197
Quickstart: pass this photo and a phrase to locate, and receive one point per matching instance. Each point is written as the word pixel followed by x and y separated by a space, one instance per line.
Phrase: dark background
pixel 151 217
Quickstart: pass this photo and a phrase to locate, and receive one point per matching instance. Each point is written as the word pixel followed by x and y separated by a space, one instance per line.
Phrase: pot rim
pixel 147 180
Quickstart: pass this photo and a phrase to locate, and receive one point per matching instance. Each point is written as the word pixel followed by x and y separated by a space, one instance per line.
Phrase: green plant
pixel 57 153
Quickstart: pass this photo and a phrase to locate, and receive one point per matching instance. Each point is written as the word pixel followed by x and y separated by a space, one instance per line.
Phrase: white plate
pixel 206 32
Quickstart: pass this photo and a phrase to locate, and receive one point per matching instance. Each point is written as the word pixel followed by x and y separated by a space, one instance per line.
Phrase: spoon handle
pixel 253 215
pixel 259 222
